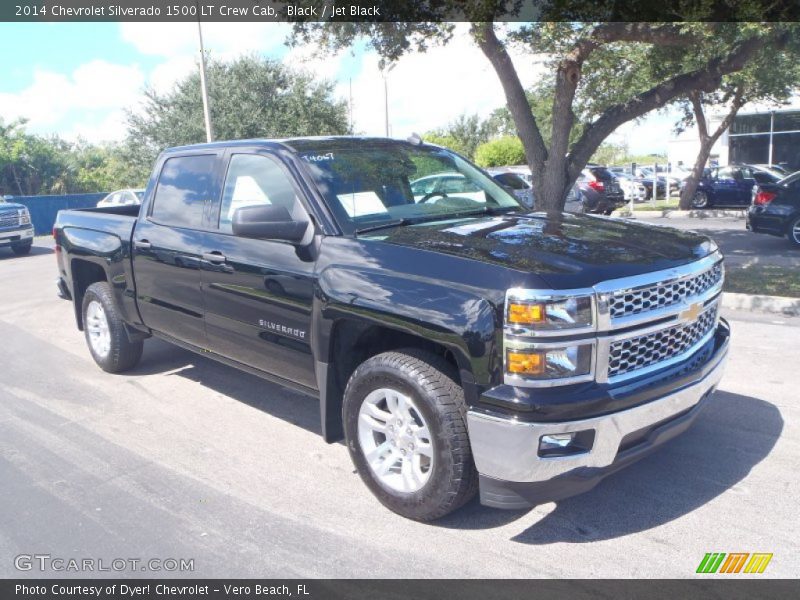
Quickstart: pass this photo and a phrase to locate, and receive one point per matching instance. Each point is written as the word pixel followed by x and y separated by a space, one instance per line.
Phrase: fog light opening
pixel 566 444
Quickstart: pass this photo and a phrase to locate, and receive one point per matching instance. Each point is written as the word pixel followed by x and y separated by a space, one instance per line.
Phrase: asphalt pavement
pixel 184 458
pixel 740 246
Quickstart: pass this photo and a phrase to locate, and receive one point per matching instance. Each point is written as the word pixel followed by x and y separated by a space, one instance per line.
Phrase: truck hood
pixel 564 249
pixel 10 206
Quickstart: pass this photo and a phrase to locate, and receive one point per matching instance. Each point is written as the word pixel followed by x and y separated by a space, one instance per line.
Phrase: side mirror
pixel 265 221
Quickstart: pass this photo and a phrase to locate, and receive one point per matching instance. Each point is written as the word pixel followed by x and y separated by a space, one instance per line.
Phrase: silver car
pixel 122 198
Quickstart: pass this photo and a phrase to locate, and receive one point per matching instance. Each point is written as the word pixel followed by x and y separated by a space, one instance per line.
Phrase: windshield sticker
pixel 319 157
pixel 360 204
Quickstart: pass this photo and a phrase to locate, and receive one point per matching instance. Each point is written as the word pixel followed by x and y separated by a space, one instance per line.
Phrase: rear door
pixel 258 293
pixel 167 245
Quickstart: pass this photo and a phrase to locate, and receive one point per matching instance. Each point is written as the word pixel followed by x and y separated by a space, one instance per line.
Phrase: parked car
pixel 776 209
pixel 515 183
pixel 16 229
pixel 434 188
pixel 775 169
pixel 730 186
pixel 122 198
pixel 456 346
pixel 598 190
pixel 631 188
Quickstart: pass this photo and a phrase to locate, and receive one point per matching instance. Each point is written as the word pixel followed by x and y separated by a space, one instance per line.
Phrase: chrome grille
pixel 643 299
pixel 649 349
pixel 9 218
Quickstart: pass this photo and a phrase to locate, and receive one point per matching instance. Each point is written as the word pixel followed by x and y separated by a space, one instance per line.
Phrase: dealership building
pixel 759 135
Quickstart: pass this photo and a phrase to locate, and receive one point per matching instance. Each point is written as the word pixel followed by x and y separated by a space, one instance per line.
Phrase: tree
pixel 499 152
pixel 772 76
pixel 463 135
pixel 251 97
pixel 617 66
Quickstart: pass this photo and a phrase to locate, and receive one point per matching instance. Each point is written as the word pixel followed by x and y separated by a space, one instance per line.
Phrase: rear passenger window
pixel 185 184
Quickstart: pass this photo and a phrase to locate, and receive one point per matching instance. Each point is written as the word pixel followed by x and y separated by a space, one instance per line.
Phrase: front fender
pixel 458 319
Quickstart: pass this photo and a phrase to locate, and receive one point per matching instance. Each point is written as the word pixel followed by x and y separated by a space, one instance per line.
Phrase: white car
pixel 434 187
pixel 631 188
pixel 122 198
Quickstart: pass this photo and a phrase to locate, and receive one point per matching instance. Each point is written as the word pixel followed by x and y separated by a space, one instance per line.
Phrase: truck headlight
pixel 550 362
pixel 550 313
pixel 24 217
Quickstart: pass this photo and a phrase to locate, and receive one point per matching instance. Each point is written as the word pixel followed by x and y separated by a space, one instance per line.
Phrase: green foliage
pixel 32 165
pixel 251 97
pixel 463 135
pixel 500 152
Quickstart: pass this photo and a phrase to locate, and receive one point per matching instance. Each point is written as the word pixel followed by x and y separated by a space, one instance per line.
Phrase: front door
pixel 167 247
pixel 258 293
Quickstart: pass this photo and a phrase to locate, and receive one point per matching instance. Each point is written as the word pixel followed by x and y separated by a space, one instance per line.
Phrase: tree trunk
pixel 706 141
pixel 690 187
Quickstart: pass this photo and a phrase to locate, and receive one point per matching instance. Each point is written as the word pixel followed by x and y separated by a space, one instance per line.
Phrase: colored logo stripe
pixel 735 561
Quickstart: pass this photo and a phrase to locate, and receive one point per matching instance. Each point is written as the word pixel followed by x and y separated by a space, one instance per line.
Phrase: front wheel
pixel 793 232
pixel 405 426
pixel 105 332
pixel 22 249
pixel 700 200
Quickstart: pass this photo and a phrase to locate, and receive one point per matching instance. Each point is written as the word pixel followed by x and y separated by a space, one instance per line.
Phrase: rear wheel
pixel 405 426
pixel 793 232
pixel 22 249
pixel 105 331
pixel 700 200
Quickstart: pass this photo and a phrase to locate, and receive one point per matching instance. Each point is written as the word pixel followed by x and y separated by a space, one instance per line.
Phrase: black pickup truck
pixel 456 340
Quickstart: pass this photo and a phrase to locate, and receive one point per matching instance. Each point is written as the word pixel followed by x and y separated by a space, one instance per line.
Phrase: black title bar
pixel 388 11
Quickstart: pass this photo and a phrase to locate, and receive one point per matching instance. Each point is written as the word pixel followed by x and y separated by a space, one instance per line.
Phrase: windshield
pixel 383 183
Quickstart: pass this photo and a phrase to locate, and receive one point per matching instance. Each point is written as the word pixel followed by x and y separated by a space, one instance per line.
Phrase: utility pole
pixel 385 72
pixel 203 86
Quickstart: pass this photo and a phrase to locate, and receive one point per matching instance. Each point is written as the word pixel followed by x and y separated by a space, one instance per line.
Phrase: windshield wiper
pixel 384 225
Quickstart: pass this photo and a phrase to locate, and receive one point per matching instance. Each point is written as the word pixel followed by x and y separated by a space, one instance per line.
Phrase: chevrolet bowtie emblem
pixel 691 313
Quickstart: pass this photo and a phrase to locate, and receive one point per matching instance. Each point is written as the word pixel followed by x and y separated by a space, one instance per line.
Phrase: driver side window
pixel 254 179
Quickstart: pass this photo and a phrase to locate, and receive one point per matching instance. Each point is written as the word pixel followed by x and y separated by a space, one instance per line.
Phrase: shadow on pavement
pixel 731 436
pixel 7 254
pixel 280 402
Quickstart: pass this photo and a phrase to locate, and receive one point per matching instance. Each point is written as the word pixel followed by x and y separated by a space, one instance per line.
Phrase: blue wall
pixel 44 208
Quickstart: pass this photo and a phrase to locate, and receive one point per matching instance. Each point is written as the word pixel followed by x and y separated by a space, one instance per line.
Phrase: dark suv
pixel 599 190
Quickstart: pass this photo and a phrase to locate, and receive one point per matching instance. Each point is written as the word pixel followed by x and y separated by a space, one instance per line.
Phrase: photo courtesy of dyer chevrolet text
pixel 161 589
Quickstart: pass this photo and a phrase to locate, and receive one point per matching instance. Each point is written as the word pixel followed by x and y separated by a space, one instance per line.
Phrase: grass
pixel 671 204
pixel 763 280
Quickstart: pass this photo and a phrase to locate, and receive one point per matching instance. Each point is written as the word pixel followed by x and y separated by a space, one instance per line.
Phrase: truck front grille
pixel 652 348
pixel 638 300
pixel 9 218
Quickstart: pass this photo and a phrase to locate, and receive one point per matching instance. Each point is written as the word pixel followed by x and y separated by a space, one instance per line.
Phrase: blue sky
pixel 77 79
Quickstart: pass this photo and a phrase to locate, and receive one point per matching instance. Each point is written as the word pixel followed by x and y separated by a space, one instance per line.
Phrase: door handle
pixel 215 257
pixel 142 244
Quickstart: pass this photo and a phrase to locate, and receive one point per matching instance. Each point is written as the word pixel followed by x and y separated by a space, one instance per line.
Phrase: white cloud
pixel 51 98
pixel 428 90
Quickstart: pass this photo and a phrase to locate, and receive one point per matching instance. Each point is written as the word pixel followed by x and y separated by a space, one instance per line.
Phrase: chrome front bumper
pixel 16 236
pixel 508 450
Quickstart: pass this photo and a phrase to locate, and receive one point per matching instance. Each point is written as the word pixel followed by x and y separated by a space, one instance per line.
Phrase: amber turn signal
pixel 525 313
pixel 525 363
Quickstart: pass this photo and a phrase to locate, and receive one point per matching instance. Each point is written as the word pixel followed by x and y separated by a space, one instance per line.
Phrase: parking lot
pixel 742 248
pixel 186 458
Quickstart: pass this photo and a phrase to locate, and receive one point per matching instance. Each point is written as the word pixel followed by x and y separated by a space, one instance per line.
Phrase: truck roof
pixel 296 144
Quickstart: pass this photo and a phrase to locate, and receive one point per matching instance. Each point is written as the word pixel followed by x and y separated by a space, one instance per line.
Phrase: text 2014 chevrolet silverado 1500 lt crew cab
pixel 457 341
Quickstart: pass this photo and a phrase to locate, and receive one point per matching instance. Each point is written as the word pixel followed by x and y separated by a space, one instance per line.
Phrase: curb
pixel 677 214
pixel 779 305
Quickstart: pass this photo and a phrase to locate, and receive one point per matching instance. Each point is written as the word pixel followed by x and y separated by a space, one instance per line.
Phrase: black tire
pixel 22 249
pixel 700 200
pixel 793 232
pixel 123 354
pixel 429 381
